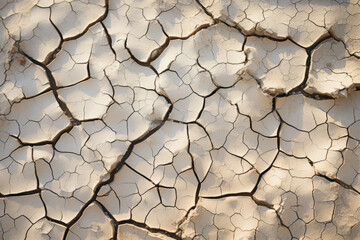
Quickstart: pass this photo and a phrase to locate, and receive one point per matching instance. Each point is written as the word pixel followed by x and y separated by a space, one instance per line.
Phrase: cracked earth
pixel 179 119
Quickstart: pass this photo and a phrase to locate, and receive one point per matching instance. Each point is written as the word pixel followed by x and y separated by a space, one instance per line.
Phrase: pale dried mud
pixel 179 119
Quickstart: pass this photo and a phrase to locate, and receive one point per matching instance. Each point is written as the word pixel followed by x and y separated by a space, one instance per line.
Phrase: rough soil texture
pixel 179 119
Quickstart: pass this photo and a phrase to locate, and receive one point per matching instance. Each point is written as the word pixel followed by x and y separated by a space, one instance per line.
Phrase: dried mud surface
pixel 179 119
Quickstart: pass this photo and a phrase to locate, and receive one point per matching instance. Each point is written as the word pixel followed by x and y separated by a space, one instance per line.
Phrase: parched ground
pixel 187 119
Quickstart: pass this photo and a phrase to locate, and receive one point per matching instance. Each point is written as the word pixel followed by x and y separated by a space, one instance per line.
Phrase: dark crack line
pixel 145 64
pixel 303 84
pixel 51 142
pixel 26 193
pixel 109 39
pixel 198 188
pixel 116 169
pixel 101 18
pixel 112 219
pixel 54 88
pixel 152 230
pixel 300 88
pixel 338 181
pixel 252 192
pixel 157 52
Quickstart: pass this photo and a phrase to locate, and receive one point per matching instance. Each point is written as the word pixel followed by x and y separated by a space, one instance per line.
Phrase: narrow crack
pixel 338 181
pixel 116 169
pixel 54 88
pixel 152 230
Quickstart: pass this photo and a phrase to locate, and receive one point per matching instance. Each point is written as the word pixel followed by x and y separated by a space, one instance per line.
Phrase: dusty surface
pixel 193 119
